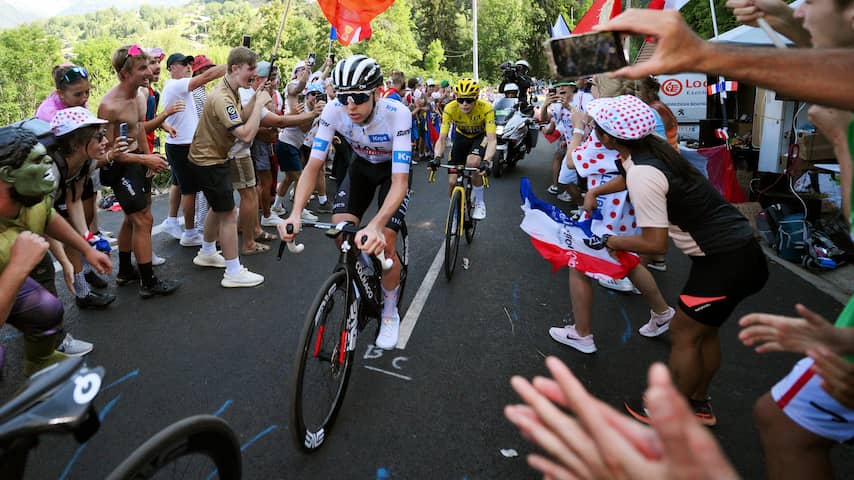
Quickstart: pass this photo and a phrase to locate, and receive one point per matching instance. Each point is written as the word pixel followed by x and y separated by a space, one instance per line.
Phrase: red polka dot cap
pixel 70 119
pixel 625 117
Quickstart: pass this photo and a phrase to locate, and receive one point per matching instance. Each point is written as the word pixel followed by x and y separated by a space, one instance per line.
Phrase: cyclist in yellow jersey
pixel 474 138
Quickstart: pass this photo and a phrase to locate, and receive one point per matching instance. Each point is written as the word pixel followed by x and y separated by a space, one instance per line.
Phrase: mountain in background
pixel 17 12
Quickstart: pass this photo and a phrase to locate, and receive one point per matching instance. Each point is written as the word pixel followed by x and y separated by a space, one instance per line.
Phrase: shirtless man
pixel 129 173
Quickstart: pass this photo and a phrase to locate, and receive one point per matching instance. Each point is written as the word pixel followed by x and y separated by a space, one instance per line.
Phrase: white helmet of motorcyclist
pixel 524 64
pixel 511 87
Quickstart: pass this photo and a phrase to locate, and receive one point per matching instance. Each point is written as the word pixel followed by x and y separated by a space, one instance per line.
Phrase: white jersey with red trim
pixel 385 138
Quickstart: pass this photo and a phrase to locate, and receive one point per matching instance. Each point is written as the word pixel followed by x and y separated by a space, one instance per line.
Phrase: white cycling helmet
pixel 524 63
pixel 511 87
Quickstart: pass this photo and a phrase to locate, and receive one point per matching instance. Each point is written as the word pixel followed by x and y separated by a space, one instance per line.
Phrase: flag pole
pixel 279 35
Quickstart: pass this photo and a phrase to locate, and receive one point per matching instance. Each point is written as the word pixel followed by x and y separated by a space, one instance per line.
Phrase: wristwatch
pixel 605 239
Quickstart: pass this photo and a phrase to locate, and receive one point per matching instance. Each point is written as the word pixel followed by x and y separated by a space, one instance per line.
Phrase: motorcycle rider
pixel 511 90
pixel 518 73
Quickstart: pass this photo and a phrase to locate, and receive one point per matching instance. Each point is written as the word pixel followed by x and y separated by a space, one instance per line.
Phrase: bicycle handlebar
pixel 347 227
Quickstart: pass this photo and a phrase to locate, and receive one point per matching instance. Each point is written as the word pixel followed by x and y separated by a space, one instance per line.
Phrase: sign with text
pixel 685 94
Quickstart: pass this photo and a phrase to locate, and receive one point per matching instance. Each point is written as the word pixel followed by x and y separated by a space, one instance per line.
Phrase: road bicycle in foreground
pixel 349 299
pixel 58 400
pixel 459 213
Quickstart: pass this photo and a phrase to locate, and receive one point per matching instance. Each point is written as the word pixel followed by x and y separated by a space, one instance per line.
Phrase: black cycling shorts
pixel 133 188
pixel 465 146
pixel 718 283
pixel 357 190
pixel 178 158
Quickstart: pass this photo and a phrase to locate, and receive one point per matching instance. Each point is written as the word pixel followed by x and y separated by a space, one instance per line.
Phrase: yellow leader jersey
pixel 480 120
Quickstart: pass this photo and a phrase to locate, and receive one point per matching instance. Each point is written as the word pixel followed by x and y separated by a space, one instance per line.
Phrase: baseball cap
pixel 430 82
pixel 626 117
pixel 201 61
pixel 155 52
pixel 263 69
pixel 445 84
pixel 178 58
pixel 314 87
pixel 300 64
pixel 70 119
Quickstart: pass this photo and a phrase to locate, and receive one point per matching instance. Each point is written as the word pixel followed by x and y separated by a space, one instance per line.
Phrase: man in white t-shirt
pixel 180 87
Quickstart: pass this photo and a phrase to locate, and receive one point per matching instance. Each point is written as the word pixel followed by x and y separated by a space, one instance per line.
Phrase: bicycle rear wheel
pixel 323 363
pixel 452 234
pixel 403 257
pixel 202 446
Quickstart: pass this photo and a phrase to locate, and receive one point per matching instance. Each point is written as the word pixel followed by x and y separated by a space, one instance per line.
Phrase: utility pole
pixel 474 38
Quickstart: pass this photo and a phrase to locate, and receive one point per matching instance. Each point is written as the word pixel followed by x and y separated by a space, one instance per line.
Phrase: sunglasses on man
pixel 73 74
pixel 466 100
pixel 356 97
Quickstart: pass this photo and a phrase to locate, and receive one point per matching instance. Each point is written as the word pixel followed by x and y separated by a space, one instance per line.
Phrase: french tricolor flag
pixel 560 239
pixel 722 87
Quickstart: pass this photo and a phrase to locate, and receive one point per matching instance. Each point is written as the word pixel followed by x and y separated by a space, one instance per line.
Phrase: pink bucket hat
pixel 625 117
pixel 70 119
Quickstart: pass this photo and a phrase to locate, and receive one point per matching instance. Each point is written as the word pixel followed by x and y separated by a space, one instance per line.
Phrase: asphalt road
pixel 430 411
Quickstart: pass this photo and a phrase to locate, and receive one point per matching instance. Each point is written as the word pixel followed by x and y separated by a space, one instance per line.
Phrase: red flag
pixel 600 12
pixel 352 18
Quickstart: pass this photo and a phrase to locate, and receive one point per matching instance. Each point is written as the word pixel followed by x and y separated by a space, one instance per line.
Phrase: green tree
pixel 25 78
pixel 393 43
pixel 435 56
pixel 95 56
pixel 503 28
pixel 698 15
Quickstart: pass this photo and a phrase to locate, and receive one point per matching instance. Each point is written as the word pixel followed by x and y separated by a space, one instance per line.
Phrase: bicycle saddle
pixel 57 396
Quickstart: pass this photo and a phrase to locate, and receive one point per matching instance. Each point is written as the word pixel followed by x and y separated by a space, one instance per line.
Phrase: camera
pixel 321 98
pixel 311 59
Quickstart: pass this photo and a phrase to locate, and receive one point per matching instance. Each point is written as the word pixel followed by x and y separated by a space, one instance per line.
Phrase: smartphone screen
pixel 247 41
pixel 586 54
pixel 553 90
pixel 311 58
pixel 123 130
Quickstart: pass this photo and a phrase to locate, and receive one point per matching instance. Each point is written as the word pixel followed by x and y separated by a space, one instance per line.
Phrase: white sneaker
pixel 157 260
pixel 389 331
pixel 621 285
pixel 278 210
pixel 191 238
pixel 308 216
pixel 209 260
pixel 553 189
pixel 271 221
pixel 568 336
pixel 74 347
pixel 479 211
pixel 243 279
pixel 565 197
pixel 172 228
pixel 658 323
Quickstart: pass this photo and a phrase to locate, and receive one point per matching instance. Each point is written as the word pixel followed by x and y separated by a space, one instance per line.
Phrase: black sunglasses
pixel 466 100
pixel 99 136
pixel 73 74
pixel 357 97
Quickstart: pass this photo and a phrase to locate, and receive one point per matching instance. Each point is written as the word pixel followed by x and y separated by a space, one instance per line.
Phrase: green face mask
pixel 36 177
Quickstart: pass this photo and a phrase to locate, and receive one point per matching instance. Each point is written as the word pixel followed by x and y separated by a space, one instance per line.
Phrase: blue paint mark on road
pixel 382 474
pixel 222 408
pixel 120 380
pixel 628 332
pixel 101 416
pixel 257 437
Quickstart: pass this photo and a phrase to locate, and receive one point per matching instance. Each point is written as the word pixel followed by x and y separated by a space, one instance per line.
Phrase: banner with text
pixel 685 94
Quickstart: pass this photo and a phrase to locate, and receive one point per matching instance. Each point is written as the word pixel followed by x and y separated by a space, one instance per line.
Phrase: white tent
pixel 747 35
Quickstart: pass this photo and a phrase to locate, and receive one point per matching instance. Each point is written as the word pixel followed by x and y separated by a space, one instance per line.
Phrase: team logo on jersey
pixel 324 123
pixel 391 108
pixel 231 111
pixel 383 137
pixel 320 144
pixel 401 157
pixel 402 133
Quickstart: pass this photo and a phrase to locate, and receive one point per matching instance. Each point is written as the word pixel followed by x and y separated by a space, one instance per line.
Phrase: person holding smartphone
pixel 557 112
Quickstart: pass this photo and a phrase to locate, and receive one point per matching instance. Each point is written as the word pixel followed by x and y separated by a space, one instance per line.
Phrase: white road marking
pixel 404 377
pixel 414 310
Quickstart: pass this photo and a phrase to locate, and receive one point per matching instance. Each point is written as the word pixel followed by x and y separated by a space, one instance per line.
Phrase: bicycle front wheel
pixel 403 258
pixel 323 363
pixel 452 234
pixel 469 224
pixel 202 446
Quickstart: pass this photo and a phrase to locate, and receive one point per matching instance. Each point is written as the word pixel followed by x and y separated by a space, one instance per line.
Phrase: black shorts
pixel 132 188
pixel 178 158
pixel 357 190
pixel 465 146
pixel 718 283
pixel 215 182
pixel 88 188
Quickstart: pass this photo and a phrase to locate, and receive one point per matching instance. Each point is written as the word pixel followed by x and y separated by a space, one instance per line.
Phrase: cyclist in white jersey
pixel 378 131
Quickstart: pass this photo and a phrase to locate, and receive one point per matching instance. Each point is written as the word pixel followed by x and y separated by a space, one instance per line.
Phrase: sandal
pixel 265 237
pixel 256 249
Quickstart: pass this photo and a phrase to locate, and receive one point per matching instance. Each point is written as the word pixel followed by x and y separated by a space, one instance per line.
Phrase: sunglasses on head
pixel 357 97
pixel 73 74
pixel 466 100
pixel 133 51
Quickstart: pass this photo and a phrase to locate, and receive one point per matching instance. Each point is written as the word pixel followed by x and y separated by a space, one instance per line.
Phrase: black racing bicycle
pixel 349 299
pixel 58 400
pixel 459 220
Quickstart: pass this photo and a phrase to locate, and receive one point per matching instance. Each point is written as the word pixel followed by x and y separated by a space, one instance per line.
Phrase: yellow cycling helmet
pixel 467 87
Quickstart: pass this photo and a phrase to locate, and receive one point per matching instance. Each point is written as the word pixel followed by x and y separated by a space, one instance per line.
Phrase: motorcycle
pixel 512 132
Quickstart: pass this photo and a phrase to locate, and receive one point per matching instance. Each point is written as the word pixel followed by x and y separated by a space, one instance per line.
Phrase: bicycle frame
pixel 462 185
